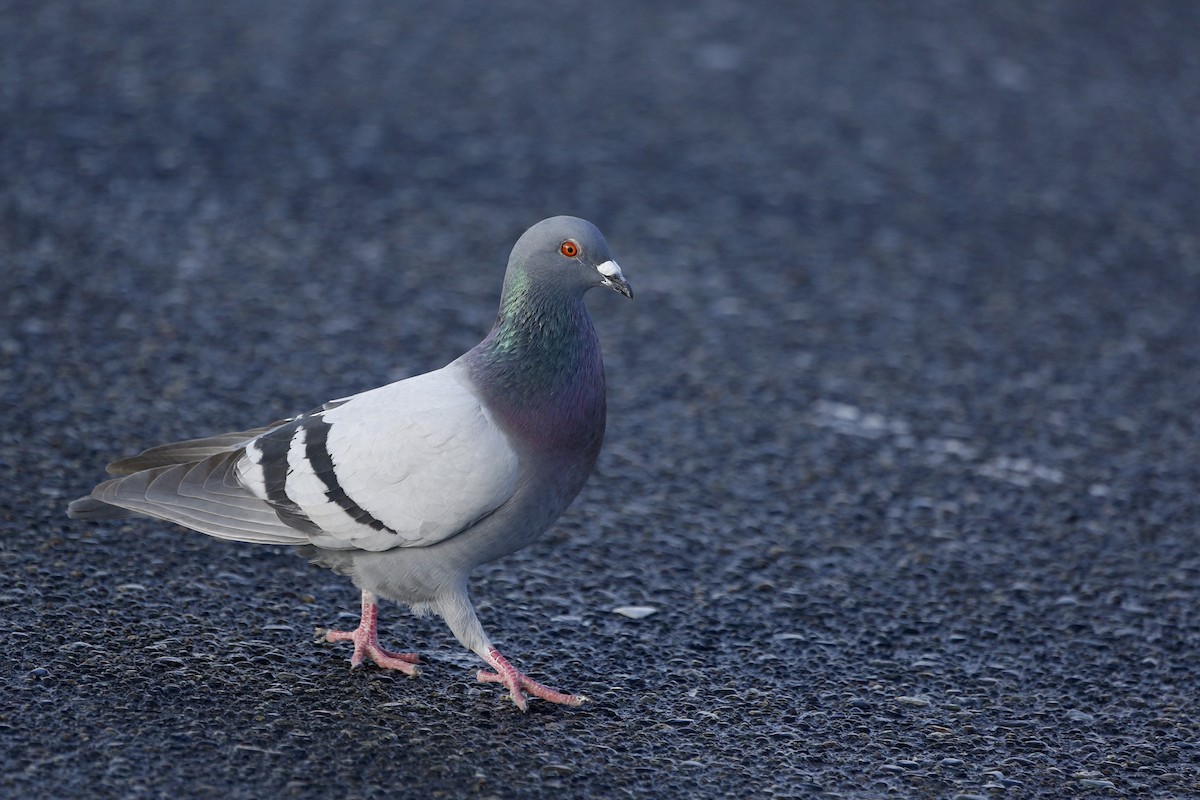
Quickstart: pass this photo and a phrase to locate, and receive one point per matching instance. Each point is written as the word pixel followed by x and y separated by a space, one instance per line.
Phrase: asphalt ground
pixel 903 437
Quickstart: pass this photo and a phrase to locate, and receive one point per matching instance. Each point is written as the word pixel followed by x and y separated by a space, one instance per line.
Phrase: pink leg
pixel 366 642
pixel 515 681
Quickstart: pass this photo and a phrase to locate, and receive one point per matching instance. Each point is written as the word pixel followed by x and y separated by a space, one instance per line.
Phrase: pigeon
pixel 407 488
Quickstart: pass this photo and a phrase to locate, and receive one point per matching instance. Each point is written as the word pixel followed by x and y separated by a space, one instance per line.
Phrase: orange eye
pixel 569 249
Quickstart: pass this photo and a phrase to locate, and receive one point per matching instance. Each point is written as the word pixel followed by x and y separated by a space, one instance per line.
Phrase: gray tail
pixel 93 509
pixel 203 495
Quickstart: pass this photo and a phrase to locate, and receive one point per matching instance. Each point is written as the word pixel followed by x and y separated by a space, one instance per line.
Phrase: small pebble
pixel 635 612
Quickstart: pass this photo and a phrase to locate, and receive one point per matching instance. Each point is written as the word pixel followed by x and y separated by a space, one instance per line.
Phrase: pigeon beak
pixel 613 279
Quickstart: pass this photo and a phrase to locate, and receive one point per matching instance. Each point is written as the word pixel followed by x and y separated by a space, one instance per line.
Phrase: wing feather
pixel 191 450
pixel 186 451
pixel 406 465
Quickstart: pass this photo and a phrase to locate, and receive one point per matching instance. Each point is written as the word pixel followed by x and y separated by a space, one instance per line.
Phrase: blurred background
pixel 903 437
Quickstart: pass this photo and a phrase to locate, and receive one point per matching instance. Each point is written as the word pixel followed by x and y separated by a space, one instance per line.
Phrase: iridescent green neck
pixel 540 369
pixel 541 340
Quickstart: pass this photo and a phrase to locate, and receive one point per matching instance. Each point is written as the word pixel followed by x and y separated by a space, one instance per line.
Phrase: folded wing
pixel 406 465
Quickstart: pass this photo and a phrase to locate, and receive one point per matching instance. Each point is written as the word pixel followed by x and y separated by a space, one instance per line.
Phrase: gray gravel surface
pixel 903 440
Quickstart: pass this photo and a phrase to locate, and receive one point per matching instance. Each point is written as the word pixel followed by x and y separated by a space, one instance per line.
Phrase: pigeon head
pixel 566 254
pixel 540 368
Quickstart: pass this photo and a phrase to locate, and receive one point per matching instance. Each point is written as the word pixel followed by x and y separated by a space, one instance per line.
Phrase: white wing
pixel 405 465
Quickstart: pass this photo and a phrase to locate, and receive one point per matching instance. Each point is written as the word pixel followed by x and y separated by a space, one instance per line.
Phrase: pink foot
pixel 366 642
pixel 515 681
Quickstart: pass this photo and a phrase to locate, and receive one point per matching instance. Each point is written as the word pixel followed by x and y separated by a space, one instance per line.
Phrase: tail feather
pixel 93 510
pixel 194 483
pixel 204 495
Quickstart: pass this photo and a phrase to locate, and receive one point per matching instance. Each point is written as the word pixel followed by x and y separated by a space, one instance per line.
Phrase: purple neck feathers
pixel 541 374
